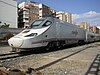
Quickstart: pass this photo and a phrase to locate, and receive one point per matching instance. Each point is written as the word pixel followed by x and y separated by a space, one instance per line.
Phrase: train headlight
pixel 32 34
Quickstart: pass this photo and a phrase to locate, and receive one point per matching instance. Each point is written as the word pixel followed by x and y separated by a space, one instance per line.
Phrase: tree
pixel 5 25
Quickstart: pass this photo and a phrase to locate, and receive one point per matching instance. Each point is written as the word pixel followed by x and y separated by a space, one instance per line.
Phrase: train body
pixel 50 32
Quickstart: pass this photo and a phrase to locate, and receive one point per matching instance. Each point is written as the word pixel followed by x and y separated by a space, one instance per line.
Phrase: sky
pixel 81 10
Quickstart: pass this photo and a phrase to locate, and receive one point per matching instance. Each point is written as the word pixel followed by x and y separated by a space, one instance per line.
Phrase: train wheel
pixel 81 42
pixel 60 44
pixel 51 46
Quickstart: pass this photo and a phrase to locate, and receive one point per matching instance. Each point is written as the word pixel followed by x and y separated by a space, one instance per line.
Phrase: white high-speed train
pixel 49 32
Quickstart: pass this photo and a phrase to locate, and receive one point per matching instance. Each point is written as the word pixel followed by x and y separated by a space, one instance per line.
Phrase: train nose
pixel 15 42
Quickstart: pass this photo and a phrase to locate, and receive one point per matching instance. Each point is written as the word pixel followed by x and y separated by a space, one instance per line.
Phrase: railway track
pixel 95 66
pixel 50 63
pixel 17 54
pixel 9 56
pixel 56 61
pixel 14 55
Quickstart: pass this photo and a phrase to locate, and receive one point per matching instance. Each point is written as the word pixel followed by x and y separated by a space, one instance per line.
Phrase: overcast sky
pixel 82 10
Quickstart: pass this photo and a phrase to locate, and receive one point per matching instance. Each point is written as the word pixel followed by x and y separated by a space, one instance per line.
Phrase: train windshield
pixel 36 23
pixel 40 23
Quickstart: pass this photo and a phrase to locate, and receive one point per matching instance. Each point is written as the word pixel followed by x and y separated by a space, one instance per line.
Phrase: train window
pixel 36 23
pixel 47 23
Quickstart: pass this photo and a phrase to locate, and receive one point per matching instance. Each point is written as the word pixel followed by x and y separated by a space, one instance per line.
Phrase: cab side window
pixel 47 23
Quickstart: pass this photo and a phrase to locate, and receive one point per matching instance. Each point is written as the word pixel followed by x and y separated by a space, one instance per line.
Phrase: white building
pixel 8 12
pixel 64 16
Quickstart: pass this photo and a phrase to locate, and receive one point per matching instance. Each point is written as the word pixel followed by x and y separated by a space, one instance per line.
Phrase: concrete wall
pixel 6 33
pixel 12 30
pixel 8 12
